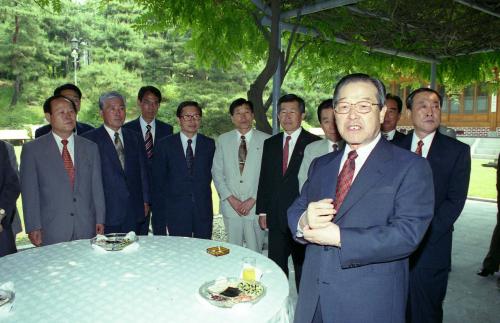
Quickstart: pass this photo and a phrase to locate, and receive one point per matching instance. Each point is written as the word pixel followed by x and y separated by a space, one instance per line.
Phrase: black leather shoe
pixel 485 272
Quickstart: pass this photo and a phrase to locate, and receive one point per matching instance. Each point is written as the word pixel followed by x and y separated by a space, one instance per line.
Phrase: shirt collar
pixel 294 135
pixel 185 138
pixel 365 150
pixel 58 139
pixel 427 140
pixel 144 123
pixel 248 135
pixel 111 132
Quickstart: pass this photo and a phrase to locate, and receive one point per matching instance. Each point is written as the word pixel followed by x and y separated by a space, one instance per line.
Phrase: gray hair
pixel 360 77
pixel 110 95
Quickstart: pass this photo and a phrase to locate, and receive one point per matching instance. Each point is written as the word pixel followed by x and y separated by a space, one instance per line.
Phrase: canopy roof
pixel 425 30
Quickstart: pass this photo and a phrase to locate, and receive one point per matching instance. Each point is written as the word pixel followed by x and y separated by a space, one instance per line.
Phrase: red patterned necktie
pixel 418 151
pixel 68 163
pixel 344 180
pixel 148 140
pixel 285 154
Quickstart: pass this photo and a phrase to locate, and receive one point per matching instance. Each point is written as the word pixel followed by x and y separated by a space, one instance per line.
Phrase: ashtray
pixel 218 251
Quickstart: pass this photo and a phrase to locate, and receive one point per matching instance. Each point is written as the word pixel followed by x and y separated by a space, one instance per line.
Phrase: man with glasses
pixel 150 128
pixel 73 93
pixel 182 196
pixel 279 183
pixel 450 162
pixel 361 213
pixel 394 107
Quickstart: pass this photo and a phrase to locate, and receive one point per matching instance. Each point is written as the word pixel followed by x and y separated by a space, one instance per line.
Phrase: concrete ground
pixel 470 298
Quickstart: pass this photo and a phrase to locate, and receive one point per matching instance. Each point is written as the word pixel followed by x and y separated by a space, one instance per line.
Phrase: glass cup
pixel 248 271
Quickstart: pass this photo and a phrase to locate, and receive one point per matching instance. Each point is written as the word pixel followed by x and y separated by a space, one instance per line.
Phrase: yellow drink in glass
pixel 249 274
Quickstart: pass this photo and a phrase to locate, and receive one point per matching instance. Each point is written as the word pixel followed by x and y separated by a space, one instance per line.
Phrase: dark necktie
pixel 119 149
pixel 189 157
pixel 285 154
pixel 148 141
pixel 242 154
pixel 344 180
pixel 68 163
pixel 418 151
pixel 335 147
pixel 386 135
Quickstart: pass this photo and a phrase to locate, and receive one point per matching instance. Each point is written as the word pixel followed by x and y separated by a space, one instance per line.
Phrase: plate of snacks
pixel 6 297
pixel 227 292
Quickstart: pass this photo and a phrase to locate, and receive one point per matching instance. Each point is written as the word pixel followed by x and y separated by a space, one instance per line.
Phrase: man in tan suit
pixel 235 172
pixel 332 141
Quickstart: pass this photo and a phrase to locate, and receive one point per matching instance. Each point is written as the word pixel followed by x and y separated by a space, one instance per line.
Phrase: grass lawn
pixel 482 180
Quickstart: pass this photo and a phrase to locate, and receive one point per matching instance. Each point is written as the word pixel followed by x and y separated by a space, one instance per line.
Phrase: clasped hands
pixel 241 207
pixel 317 225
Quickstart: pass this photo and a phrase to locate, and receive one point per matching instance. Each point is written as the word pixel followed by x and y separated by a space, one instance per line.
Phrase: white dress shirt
pixel 248 136
pixel 363 153
pixel 427 140
pixel 184 140
pixel 291 144
pixel 111 134
pixel 390 134
pixel 70 146
pixel 144 129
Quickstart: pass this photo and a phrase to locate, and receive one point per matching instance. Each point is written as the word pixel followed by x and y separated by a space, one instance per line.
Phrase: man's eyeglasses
pixel 360 107
pixel 189 117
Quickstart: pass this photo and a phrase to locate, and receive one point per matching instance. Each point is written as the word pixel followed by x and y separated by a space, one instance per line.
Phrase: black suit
pixel 429 266
pixel 492 260
pixel 9 191
pixel 81 128
pixel 162 130
pixel 398 136
pixel 276 193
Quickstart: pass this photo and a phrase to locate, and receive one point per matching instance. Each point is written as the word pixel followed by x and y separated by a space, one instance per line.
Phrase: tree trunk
pixel 256 91
pixel 17 82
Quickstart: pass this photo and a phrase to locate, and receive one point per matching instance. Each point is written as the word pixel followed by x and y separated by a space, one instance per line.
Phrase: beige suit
pixel 229 181
pixel 312 151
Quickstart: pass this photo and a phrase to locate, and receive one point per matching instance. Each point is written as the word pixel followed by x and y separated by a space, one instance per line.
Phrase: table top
pixel 158 282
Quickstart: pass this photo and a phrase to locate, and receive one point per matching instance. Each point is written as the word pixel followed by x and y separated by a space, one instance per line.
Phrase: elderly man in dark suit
pixel 362 212
pixel 61 183
pixel 182 196
pixel 9 191
pixel 451 163
pixel 150 128
pixel 123 165
pixel 73 93
pixel 279 183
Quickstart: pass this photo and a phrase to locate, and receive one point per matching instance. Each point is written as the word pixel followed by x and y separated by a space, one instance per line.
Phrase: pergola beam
pixel 374 15
pixel 317 7
pixel 477 7
pixel 314 33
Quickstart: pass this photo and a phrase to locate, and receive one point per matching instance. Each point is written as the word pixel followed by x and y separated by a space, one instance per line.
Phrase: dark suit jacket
pixel 276 191
pixel 127 190
pixel 174 190
pixel 398 136
pixel 81 128
pixel 382 220
pixel 450 162
pixel 9 192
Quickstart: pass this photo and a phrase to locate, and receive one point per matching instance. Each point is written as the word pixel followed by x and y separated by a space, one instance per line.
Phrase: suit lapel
pixel 374 168
pixel 179 152
pixel 298 152
pixel 109 148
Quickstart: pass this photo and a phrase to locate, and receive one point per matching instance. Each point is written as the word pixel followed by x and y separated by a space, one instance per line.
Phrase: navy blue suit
pixel 9 191
pixel 127 190
pixel 429 265
pixel 162 130
pixel 81 128
pixel 382 220
pixel 182 202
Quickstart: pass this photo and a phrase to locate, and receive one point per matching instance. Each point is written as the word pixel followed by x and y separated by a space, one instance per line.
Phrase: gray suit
pixel 16 222
pixel 228 181
pixel 49 203
pixel 312 151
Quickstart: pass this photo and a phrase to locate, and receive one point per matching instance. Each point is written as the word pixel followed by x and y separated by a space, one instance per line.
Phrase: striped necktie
pixel 68 163
pixel 148 141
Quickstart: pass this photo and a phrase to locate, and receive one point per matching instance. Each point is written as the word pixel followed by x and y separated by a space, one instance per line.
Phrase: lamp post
pixel 74 54
pixel 80 54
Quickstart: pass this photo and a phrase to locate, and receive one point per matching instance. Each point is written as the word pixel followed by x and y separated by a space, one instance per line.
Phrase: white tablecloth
pixel 159 282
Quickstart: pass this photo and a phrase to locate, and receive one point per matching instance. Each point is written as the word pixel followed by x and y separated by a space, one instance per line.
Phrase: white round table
pixel 158 282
